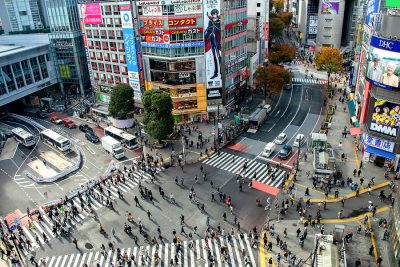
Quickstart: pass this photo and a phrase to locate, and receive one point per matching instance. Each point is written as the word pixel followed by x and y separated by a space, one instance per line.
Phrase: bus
pixel 23 137
pixel 126 139
pixel 60 142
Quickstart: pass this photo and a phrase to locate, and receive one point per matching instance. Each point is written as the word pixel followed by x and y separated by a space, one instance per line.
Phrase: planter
pixel 121 124
pixel 328 118
pixel 331 110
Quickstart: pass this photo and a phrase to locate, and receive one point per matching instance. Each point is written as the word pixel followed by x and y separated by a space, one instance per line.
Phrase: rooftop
pixel 11 44
pixel 7 50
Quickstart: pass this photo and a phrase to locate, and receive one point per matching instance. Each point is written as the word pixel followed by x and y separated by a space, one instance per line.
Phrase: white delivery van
pixel 112 146
pixel 269 149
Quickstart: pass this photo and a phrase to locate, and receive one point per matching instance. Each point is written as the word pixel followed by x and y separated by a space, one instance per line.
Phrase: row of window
pixel 109 78
pixel 234 4
pixel 235 42
pixel 230 18
pixel 107 57
pixel 115 68
pixel 104 34
pixel 111 46
pixel 18 75
pixel 235 30
pixel 236 67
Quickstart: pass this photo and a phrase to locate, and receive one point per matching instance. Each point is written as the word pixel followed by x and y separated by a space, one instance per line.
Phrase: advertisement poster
pixel 313 25
pixel 212 39
pixel 384 62
pixel 91 13
pixel 385 118
pixel 392 3
pixel 130 50
pixel 331 8
pixel 372 8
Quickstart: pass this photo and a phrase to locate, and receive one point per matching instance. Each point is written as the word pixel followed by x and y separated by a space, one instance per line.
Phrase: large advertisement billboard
pixel 91 13
pixel 331 8
pixel 392 3
pixel 130 50
pixel 372 8
pixel 384 62
pixel 212 40
pixel 385 118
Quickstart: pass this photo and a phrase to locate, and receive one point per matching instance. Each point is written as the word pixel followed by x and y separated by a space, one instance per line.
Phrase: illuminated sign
pixel 176 45
pixel 168 31
pixel 153 23
pixel 386 118
pixel 378 143
pixel 182 22
pixel 384 62
pixel 91 13
pixel 236 24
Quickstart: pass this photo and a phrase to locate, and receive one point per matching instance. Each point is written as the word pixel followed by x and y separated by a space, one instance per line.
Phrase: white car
pixel 280 139
pixel 299 141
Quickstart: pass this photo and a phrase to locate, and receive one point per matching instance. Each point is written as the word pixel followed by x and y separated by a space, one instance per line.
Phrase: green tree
pixel 281 53
pixel 272 78
pixel 158 120
pixel 121 101
pixel 330 60
pixel 276 26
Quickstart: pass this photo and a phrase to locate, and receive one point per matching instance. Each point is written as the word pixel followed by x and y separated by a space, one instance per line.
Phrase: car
pixel 84 128
pixel 285 152
pixel 40 115
pixel 299 141
pixel 92 137
pixel 56 120
pixel 68 123
pixel 268 108
pixel 280 139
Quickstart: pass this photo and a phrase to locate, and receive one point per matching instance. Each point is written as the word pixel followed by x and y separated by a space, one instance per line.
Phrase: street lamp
pixel 298 157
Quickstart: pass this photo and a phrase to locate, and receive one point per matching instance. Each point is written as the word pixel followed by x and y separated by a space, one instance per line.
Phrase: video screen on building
pixel 385 118
pixel 384 62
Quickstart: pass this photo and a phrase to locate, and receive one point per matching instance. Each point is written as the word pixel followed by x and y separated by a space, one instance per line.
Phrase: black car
pixel 85 128
pixel 285 152
pixel 41 115
pixel 92 137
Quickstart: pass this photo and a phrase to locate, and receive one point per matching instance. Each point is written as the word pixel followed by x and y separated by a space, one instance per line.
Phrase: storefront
pixel 378 151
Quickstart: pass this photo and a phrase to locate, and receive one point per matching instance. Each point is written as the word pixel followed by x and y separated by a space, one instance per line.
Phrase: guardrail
pixel 27 120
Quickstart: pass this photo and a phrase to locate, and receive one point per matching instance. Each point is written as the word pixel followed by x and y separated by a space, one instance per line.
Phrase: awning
pixel 355 131
pixel 379 152
pixel 352 108
pixel 105 112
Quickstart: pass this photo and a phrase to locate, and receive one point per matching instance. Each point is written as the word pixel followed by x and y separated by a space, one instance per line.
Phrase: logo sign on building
pixel 372 8
pixel 130 49
pixel 378 143
pixel 187 9
pixel 153 23
pixel 384 62
pixel 212 39
pixel 150 10
pixel 385 118
pixel 214 93
pixel 91 13
pixel 182 22
pixel 330 8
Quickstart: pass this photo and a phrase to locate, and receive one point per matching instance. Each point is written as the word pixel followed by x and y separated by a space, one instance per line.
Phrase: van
pixel 268 108
pixel 269 149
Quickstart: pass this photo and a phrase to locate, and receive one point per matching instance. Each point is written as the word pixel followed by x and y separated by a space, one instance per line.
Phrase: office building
pixel 104 45
pixel 25 68
pixel 67 46
pixel 23 15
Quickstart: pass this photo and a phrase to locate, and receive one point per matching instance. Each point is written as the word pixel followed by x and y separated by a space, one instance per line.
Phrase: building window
pixel 19 79
pixel 35 70
pixel 8 77
pixel 258 4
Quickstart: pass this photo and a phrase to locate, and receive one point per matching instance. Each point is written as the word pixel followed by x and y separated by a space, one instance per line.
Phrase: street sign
pixel 13 227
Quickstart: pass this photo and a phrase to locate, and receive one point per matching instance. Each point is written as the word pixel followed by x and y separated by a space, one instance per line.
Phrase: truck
pixel 113 147
pixel 258 117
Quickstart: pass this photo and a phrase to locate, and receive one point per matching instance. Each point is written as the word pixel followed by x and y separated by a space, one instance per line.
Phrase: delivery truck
pixel 113 147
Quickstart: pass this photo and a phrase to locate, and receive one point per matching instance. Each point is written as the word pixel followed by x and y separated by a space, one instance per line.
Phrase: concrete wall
pixel 330 25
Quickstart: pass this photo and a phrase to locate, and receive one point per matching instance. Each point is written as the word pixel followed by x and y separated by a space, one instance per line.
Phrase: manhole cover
pixel 88 245
pixel 294 224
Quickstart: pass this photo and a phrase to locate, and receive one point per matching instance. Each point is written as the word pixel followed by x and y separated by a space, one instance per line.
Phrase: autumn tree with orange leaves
pixel 286 17
pixel 281 53
pixel 330 60
pixel 272 78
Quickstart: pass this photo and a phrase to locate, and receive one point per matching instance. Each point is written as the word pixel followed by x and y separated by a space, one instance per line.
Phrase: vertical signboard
pixel 85 43
pixel 91 13
pixel 130 50
pixel 372 8
pixel 212 39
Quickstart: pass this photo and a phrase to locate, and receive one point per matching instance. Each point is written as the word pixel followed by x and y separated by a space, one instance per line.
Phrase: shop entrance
pixel 379 161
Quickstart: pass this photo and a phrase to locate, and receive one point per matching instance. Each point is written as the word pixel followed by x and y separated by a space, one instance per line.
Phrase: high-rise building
pixel 23 15
pixel 67 46
pixel 104 42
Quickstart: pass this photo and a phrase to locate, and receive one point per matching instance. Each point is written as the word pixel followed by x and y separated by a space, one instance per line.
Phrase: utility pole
pixel 298 157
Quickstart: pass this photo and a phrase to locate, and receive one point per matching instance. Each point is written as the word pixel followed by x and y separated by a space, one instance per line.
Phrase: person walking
pixel 75 241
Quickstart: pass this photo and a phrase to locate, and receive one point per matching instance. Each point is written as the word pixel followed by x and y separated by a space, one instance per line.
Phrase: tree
pixel 276 26
pixel 272 78
pixel 121 101
pixel 330 60
pixel 278 5
pixel 286 17
pixel 158 120
pixel 281 53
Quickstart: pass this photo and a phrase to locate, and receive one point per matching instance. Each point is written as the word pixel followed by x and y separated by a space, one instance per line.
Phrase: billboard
pixel 372 8
pixel 385 118
pixel 182 22
pixel 384 62
pixel 215 93
pixel 91 13
pixel 313 24
pixel 331 8
pixel 188 9
pixel 175 45
pixel 153 23
pixel 130 49
pixel 212 40
pixel 392 3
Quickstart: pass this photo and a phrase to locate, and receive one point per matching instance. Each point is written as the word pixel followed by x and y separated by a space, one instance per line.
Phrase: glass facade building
pixel 67 46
